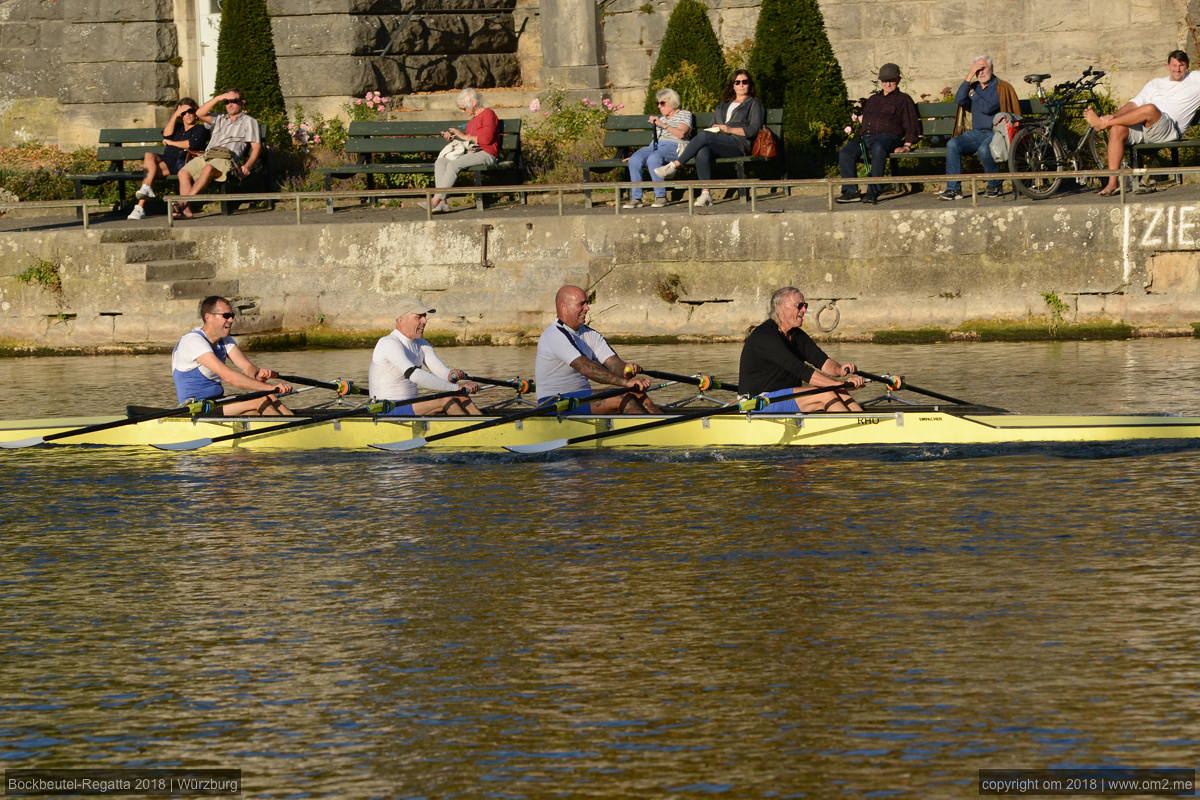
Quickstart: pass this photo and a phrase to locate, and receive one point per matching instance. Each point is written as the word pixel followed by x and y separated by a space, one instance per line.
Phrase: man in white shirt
pixel 198 365
pixel 569 354
pixel 404 362
pixel 235 145
pixel 1160 112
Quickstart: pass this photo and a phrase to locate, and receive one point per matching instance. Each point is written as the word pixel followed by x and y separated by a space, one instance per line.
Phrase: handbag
pixel 764 144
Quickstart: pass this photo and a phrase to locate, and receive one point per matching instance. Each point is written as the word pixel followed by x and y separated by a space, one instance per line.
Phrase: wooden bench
pixel 627 133
pixel 423 142
pixel 1137 151
pixel 119 145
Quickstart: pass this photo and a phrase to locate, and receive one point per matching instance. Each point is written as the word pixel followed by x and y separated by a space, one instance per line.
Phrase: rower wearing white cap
pixel 404 362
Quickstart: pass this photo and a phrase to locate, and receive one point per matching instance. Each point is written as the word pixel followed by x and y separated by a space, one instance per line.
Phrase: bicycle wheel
pixel 1035 150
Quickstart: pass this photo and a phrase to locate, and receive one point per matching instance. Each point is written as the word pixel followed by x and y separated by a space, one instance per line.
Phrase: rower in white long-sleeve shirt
pixel 403 363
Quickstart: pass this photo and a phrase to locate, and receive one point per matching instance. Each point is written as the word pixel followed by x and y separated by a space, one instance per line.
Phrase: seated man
pixel 198 365
pixel 889 125
pixel 569 354
pixel 234 134
pixel 403 363
pixel 1160 112
pixel 984 96
pixel 776 358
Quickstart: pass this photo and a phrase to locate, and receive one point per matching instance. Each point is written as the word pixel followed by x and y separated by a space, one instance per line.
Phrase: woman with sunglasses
pixel 737 120
pixel 183 132
pixel 672 126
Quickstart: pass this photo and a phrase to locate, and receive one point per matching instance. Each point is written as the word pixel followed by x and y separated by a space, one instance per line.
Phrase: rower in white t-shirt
pixel 570 354
pixel 404 363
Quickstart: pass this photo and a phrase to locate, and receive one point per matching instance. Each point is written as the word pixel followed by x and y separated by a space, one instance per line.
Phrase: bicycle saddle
pixel 1035 78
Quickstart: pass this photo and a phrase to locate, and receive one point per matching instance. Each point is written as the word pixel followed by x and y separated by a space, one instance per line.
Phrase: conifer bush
pixel 246 61
pixel 794 68
pixel 690 59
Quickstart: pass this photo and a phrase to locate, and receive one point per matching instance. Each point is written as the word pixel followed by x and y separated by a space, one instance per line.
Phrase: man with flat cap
pixel 889 125
pixel 404 363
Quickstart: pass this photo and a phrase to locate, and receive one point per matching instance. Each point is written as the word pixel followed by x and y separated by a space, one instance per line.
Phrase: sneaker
pixel 144 191
pixel 137 213
pixel 659 202
pixel 848 198
pixel 441 208
pixel 870 199
pixel 632 204
pixel 950 194
pixel 705 199
pixel 666 170
pixel 993 193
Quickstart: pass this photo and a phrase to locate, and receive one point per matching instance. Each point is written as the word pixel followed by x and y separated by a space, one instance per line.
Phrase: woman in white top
pixel 672 126
pixel 738 117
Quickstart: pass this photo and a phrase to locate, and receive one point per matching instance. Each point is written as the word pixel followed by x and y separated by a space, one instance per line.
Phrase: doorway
pixel 208 29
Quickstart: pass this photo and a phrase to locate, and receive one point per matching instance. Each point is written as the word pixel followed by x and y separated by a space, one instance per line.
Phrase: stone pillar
pixel 571 44
pixel 119 70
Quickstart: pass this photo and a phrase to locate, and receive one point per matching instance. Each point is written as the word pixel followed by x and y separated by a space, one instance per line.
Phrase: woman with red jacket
pixel 478 145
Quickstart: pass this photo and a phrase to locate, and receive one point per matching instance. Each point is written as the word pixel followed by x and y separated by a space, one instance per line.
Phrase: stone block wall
pixel 31 36
pixel 934 41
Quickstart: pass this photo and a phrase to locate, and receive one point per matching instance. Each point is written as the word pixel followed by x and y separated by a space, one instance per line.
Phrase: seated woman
pixel 184 131
pixel 482 140
pixel 671 127
pixel 738 118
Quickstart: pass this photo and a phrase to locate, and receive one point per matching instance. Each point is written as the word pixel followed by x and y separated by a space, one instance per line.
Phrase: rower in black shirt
pixel 776 360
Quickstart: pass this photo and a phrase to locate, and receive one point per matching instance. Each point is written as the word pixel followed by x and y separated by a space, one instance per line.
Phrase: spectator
pixel 889 125
pixel 1160 112
pixel 738 118
pixel 183 134
pixel 478 145
pixel 234 134
pixel 671 128
pixel 984 96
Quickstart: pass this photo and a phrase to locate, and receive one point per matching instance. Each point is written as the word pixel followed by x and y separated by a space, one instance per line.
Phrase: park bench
pixel 119 145
pixel 1138 151
pixel 627 133
pixel 421 141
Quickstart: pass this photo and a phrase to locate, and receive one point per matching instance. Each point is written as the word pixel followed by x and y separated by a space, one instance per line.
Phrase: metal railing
pixel 82 205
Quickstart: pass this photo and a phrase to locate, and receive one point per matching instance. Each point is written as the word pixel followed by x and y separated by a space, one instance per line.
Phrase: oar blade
pixel 537 447
pixel 19 443
pixel 400 447
pixel 191 444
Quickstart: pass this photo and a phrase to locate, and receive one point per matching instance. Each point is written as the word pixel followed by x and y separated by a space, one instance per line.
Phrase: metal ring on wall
pixel 837 316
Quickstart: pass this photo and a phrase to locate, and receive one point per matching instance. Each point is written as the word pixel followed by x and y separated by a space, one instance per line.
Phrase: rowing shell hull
pixel 857 430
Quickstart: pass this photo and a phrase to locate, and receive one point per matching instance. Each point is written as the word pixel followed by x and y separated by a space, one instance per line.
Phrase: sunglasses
pixel 802 307
pixel 741 82
pixel 662 102
pixel 189 111
pixel 237 100
pixel 226 315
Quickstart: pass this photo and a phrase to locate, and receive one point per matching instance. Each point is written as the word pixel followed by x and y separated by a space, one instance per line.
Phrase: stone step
pixel 181 269
pixel 197 289
pixel 116 235
pixel 140 252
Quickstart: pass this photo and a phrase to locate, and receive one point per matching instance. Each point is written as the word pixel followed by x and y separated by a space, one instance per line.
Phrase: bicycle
pixel 1047 143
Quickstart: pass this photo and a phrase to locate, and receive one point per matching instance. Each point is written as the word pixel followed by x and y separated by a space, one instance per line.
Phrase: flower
pixel 535 105
pixel 358 101
pixel 849 129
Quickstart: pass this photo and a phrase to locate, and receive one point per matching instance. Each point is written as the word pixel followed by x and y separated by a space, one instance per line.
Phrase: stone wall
pixel 31 37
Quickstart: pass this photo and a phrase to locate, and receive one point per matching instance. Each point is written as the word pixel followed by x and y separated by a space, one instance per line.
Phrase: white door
pixel 208 28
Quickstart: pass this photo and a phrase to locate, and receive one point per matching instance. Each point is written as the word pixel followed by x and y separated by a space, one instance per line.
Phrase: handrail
pixel 82 203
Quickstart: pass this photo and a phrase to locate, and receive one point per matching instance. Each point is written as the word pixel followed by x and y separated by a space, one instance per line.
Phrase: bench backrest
pixel 631 131
pixel 131 144
pixel 368 138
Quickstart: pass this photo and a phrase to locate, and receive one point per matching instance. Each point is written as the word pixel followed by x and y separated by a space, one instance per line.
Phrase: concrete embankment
pixel 907 264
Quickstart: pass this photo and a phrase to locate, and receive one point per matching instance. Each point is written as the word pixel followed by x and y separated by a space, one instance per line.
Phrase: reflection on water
pixel 593 625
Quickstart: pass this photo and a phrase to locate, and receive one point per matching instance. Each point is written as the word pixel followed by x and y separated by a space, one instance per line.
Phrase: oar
pixel 704 382
pixel 375 407
pixel 552 405
pixel 897 382
pixel 743 405
pixel 194 408
pixel 520 385
pixel 340 386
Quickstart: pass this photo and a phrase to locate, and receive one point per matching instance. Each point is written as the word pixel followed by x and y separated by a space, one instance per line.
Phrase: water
pixel 604 624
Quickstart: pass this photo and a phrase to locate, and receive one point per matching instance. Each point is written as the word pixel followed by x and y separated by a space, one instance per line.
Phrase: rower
pixel 198 365
pixel 403 362
pixel 776 360
pixel 569 354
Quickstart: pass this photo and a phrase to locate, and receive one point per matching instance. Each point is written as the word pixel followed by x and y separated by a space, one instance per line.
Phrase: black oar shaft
pixel 906 385
pixel 694 380
pixel 170 412
pixel 341 387
pixel 521 385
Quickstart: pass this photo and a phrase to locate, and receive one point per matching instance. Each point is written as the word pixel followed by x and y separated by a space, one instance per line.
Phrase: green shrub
pixel 689 39
pixel 794 68
pixel 694 95
pixel 246 58
pixel 560 133
pixel 35 172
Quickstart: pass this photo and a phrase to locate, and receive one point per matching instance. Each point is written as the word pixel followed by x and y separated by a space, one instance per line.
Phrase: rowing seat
pixel 1036 78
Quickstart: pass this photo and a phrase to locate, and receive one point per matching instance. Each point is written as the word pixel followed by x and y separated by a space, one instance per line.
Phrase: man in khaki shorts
pixel 234 134
pixel 1160 112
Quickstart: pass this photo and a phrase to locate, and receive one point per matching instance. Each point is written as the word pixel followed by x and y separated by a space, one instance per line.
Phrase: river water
pixel 607 624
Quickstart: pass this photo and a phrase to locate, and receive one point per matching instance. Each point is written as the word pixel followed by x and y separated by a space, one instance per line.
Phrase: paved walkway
pixel 284 214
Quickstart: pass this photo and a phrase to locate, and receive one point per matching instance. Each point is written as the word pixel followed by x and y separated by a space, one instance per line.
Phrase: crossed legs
pixel 1118 125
